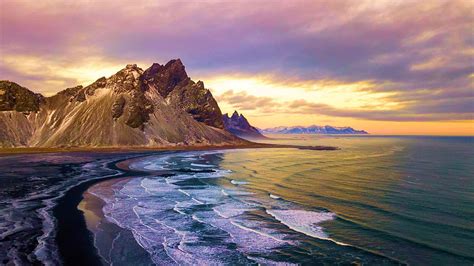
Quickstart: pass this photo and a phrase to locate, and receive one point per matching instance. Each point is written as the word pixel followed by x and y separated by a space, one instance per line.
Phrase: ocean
pixel 379 200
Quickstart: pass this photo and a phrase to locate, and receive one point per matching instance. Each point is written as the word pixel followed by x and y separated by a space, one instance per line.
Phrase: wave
pixel 185 221
pixel 238 182
pixel 305 222
pixel 46 250
pixel 190 217
pixel 32 214
pixel 203 165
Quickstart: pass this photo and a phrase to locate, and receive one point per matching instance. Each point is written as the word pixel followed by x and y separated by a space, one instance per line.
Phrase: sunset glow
pixel 388 67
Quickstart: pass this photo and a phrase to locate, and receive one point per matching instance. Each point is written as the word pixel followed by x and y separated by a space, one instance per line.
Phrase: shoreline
pixel 74 240
pixel 120 161
pixel 131 149
pixel 105 233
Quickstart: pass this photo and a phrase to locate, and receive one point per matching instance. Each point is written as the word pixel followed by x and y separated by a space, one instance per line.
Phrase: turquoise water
pixel 378 200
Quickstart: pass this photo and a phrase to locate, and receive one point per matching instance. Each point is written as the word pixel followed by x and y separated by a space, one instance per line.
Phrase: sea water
pixel 377 200
pixel 30 187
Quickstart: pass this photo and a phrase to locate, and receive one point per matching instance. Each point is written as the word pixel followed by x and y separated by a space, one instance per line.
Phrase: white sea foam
pixel 182 220
pixel 262 261
pixel 231 209
pixel 224 192
pixel 203 165
pixel 46 250
pixel 161 162
pixel 303 221
pixel 306 222
pixel 162 217
pixel 238 182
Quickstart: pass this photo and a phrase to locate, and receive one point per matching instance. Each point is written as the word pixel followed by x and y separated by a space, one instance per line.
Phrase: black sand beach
pixel 108 236
pixel 75 242
pixel 47 185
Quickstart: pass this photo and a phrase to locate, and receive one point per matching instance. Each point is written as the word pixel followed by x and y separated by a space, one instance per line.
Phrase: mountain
pixel 312 130
pixel 240 126
pixel 159 106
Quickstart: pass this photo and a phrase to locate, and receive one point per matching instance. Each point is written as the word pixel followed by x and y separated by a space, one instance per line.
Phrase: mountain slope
pixel 160 106
pixel 312 130
pixel 240 126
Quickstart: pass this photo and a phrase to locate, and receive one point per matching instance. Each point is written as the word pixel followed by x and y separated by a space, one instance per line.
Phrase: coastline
pixel 75 242
pixel 89 211
pixel 123 161
pixel 131 149
pixel 107 236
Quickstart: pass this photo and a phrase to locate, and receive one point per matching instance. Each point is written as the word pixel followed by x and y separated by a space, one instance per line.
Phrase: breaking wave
pixel 191 219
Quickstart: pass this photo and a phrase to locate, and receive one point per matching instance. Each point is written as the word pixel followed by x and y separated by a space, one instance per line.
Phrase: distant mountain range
pixel 238 125
pixel 312 130
pixel 156 107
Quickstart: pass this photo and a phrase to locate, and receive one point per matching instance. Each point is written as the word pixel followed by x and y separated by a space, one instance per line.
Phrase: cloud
pixel 413 57
pixel 49 75
pixel 432 110
pixel 243 101
pixel 446 111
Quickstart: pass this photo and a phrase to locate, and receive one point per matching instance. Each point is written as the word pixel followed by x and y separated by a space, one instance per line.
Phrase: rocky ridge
pixel 238 125
pixel 159 106
pixel 312 130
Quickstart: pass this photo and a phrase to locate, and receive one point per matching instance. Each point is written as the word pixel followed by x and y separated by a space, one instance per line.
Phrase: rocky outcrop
pixel 14 97
pixel 160 106
pixel 173 84
pixel 165 78
pixel 117 108
pixel 240 126
pixel 197 101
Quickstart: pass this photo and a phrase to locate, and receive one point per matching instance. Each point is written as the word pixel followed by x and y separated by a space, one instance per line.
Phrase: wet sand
pixel 91 205
pixel 107 235
pixel 75 242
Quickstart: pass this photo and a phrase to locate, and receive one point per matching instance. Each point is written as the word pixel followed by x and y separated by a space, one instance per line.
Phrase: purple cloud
pixel 423 50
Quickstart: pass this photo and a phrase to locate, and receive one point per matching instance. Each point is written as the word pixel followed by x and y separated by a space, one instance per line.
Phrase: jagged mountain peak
pixel 131 70
pixel 237 124
pixel 175 63
pixel 154 107
pixel 132 66
pixel 200 84
pixel 165 78
pixel 235 114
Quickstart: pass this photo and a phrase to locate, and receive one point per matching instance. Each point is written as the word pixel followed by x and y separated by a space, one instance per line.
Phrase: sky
pixel 388 67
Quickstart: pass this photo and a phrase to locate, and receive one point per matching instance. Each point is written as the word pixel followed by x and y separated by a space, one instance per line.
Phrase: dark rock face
pixel 98 84
pixel 80 93
pixel 172 82
pixel 139 110
pixel 165 78
pixel 160 106
pixel 117 108
pixel 74 93
pixel 14 97
pixel 198 101
pixel 240 126
pixel 126 80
